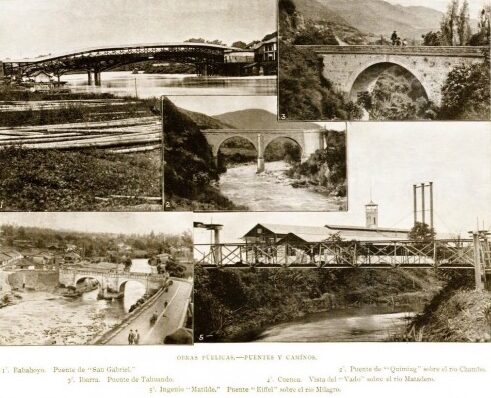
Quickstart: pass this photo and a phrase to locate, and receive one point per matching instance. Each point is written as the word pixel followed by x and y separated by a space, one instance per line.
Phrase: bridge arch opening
pixel 131 291
pixel 283 148
pixel 379 82
pixel 88 286
pixel 234 150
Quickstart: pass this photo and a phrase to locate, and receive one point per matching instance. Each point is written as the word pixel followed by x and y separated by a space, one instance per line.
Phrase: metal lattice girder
pixel 455 252
pixel 230 254
pixel 104 59
pixel 376 254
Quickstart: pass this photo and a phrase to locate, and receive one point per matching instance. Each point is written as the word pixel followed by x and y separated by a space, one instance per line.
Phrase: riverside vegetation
pixel 236 305
pixel 458 313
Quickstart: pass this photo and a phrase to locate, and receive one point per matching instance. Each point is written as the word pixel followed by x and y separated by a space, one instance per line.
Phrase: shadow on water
pixel 155 85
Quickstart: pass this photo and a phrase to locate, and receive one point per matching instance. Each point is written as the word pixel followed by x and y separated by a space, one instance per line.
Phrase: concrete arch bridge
pixel 308 140
pixel 111 283
pixel 208 58
pixel 354 69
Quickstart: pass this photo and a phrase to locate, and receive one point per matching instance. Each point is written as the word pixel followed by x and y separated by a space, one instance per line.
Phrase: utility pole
pixel 162 151
pixel 477 263
pixel 480 243
pixel 423 203
pixel 431 205
pixel 415 205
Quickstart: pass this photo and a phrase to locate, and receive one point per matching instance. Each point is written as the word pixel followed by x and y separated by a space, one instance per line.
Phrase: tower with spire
pixel 371 214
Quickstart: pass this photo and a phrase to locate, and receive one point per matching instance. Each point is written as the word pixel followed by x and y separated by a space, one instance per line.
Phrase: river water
pixel 271 190
pixel 45 318
pixel 347 325
pixel 156 85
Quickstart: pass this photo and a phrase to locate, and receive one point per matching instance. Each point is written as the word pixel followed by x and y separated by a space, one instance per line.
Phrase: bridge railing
pixel 437 253
pixel 465 51
pixel 112 273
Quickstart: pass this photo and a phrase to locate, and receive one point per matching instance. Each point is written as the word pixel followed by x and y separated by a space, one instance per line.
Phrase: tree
pixel 239 44
pixel 217 42
pixel 193 40
pixel 127 263
pixel 421 232
pixel 432 39
pixel 449 24
pixel 287 6
pixel 465 93
pixel 481 38
pixel 463 27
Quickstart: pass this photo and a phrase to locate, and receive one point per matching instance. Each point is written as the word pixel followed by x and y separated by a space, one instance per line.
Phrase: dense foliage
pixel 235 305
pixel 190 169
pixel 397 95
pixel 47 180
pixel 326 167
pixel 305 93
pixel 95 244
pixel 465 94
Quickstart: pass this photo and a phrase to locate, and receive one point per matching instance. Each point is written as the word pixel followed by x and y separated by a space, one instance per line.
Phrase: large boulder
pixel 180 336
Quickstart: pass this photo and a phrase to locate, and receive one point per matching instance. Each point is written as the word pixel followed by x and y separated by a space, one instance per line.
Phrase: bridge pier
pixel 89 77
pixel 260 154
pixel 479 272
pixel 97 78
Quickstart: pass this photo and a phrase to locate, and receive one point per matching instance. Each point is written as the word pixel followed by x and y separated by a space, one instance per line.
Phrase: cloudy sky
pixel 388 158
pixel 441 5
pixel 34 27
pixel 124 223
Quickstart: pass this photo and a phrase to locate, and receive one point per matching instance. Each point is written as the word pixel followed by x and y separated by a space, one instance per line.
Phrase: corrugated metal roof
pixel 358 228
pixel 282 229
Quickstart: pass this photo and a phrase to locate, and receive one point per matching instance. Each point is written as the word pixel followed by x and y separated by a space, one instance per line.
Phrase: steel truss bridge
pixel 208 58
pixel 444 254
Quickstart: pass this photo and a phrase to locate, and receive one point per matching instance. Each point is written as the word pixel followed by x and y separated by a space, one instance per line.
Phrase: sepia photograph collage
pixel 294 171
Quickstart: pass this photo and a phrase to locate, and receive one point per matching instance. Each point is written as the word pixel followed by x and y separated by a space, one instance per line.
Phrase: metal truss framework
pixel 99 60
pixel 448 254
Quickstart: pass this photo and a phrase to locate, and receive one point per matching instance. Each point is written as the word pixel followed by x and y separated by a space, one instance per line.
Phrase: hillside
pixel 206 122
pixel 377 17
pixel 190 171
pixel 311 22
pixel 259 119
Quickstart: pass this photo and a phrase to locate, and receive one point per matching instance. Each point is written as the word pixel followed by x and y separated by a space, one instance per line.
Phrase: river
pixel 367 324
pixel 155 85
pixel 45 318
pixel 271 190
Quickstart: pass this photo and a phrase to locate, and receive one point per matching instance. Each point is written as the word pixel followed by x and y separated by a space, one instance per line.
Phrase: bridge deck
pixel 170 317
pixel 129 47
pixel 445 254
pixel 447 51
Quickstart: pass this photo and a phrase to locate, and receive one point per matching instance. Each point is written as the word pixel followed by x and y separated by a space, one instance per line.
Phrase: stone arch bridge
pixel 207 58
pixel 354 69
pixel 111 282
pixel 309 140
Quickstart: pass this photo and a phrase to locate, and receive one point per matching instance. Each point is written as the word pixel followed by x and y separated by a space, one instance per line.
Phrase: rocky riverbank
pixel 70 321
